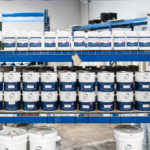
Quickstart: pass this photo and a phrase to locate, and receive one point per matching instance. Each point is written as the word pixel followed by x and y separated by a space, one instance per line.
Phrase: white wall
pixel 62 13
pixel 126 9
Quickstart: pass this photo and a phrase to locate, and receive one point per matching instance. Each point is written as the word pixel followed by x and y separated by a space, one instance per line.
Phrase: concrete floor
pixel 86 136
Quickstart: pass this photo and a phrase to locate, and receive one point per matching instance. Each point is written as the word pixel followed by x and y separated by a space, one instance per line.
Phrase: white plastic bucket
pixel 13 139
pixel 106 77
pixel 36 41
pixel 119 38
pixel 48 76
pixel 86 77
pixel 30 96
pixel 9 41
pixel 67 76
pixel 142 76
pixel 49 96
pixel 144 40
pixel 124 76
pixel 64 40
pixel 68 96
pixel 43 138
pixel 23 41
pixel 80 40
pixel 142 96
pixel 132 40
pixel 93 40
pixel 105 96
pixel 87 97
pixel 50 41
pixel 12 97
pixel 128 137
pixel 12 76
pixel 31 76
pixel 125 96
pixel 106 40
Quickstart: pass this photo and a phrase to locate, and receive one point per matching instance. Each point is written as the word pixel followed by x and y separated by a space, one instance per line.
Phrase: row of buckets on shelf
pixel 46 138
pixel 45 85
pixel 81 40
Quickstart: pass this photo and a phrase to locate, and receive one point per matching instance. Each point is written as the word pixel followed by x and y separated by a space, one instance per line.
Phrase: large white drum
pixel 128 137
pixel 13 139
pixel 48 76
pixel 43 138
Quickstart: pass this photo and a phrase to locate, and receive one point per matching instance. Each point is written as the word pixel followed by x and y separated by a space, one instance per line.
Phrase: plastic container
pixel 132 40
pixel 49 81
pixel 68 101
pixel 87 101
pixel 35 41
pixel 43 138
pixel 50 41
pixel 68 81
pixel 23 41
pixel 119 39
pixel 31 81
pixel 106 40
pixel 87 81
pixel 106 81
pixel 13 139
pixel 125 101
pixel 93 40
pixel 105 101
pixel 64 40
pixel 128 137
pixel 80 40
pixel 12 81
pixel 12 101
pixel 30 101
pixel 9 41
pixel 144 40
pixel 49 101
pixel 142 101
pixel 142 81
pixel 124 81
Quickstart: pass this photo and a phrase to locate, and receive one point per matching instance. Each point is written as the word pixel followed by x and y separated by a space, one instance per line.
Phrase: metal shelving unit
pixel 66 56
pixel 113 24
pixel 74 116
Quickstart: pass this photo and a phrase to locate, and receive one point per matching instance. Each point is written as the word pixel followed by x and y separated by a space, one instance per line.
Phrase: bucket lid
pixel 12 134
pixel 42 132
pixel 128 129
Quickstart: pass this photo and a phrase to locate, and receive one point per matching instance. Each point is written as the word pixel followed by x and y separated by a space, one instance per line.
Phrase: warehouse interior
pixel 74 75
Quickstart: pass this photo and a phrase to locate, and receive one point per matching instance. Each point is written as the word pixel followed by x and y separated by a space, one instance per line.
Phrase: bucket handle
pixel 57 139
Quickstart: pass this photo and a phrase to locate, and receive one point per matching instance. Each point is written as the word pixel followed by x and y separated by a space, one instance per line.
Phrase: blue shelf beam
pixel 75 117
pixel 66 56
pixel 113 24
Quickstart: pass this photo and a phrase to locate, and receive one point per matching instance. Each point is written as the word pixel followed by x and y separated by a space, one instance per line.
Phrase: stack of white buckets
pixel 128 137
pixel 68 87
pixel 86 92
pixel 31 90
pixel 41 138
pixel 12 90
pixel 124 91
pixel 106 91
pixel 142 91
pixel 49 91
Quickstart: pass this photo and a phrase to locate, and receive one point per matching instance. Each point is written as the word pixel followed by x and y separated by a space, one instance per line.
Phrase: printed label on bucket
pixel 127 106
pixel 146 105
pixel 85 106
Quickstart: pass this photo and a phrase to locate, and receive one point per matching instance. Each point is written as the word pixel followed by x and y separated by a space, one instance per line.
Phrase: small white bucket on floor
pixel 43 138
pixel 128 137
